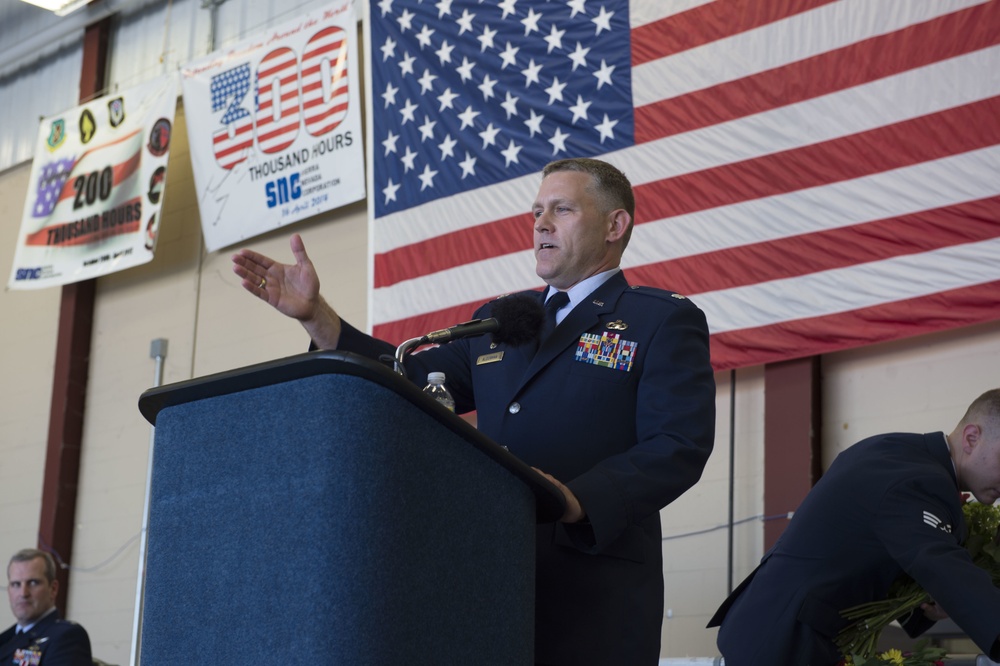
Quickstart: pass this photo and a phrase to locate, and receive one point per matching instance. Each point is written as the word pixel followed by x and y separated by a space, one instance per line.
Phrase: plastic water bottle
pixel 436 389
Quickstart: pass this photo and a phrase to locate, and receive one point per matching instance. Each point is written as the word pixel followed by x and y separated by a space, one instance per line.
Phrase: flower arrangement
pixel 922 655
pixel 860 638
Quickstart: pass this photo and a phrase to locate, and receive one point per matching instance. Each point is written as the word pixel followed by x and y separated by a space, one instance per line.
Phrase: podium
pixel 320 509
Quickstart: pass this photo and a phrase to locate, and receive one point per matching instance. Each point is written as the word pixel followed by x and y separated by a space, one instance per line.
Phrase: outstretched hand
pixel 291 289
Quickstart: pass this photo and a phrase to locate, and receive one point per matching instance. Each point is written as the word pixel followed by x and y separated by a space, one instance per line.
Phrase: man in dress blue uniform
pixel 616 406
pixel 40 637
pixel 888 505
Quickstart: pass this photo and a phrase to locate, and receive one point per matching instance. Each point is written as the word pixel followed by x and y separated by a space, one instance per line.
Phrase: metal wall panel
pixel 40 59
pixel 154 39
pixel 40 53
pixel 43 88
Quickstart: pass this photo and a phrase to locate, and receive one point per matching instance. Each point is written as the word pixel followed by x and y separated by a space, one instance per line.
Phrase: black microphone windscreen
pixel 520 318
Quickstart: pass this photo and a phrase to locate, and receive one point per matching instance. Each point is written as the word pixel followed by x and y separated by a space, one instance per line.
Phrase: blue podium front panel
pixel 327 520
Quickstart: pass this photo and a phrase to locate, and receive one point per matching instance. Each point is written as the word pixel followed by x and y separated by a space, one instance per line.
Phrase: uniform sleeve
pixel 920 521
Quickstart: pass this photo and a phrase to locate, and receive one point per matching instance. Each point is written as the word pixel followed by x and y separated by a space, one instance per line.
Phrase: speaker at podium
pixel 320 509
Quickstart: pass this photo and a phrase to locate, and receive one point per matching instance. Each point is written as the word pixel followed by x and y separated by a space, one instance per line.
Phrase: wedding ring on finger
pixel 263 283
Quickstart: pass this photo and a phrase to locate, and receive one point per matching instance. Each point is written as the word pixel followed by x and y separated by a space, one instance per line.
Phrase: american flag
pixel 814 174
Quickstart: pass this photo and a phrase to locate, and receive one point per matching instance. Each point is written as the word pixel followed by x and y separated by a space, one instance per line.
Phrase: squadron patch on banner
pixel 116 111
pixel 159 138
pixel 57 134
pixel 607 350
pixel 88 126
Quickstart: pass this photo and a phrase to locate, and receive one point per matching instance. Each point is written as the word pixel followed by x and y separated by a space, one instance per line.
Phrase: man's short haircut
pixel 612 186
pixel 28 554
pixel 985 410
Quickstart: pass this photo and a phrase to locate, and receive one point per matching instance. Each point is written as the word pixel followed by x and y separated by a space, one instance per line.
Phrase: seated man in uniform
pixel 40 637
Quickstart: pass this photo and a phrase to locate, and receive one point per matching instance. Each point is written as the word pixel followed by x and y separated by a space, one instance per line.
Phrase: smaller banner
pixel 274 125
pixel 96 187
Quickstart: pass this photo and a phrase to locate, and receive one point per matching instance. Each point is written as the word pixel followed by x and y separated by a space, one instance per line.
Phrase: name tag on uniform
pixel 489 358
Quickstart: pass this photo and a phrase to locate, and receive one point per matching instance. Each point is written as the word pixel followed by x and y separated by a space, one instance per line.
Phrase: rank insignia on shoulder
pixel 936 522
pixel 617 325
pixel 679 297
pixel 607 350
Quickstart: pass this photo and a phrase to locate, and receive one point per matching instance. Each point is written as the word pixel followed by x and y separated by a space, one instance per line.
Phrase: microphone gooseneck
pixel 463 330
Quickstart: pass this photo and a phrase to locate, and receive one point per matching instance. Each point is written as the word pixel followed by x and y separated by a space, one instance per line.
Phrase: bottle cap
pixel 435 378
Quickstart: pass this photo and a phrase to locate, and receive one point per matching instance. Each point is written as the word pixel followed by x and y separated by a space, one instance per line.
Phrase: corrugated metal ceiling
pixel 40 53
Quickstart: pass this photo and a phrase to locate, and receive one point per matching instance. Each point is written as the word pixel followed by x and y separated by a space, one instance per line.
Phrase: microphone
pixel 521 317
pixel 518 321
pixel 463 330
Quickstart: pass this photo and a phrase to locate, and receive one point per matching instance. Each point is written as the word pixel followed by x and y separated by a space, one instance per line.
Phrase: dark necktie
pixel 555 303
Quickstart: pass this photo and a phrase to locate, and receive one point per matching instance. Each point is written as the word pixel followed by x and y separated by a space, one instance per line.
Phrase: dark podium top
pixel 549 501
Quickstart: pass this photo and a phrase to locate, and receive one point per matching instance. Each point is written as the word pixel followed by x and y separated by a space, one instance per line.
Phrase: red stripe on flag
pixel 708 23
pixel 493 239
pixel 826 250
pixel 902 144
pixel 869 60
pixel 891 147
pixel 821 335
pixel 793 339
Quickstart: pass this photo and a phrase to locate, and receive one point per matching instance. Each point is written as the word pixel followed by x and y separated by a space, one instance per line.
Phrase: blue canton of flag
pixel 50 186
pixel 467 94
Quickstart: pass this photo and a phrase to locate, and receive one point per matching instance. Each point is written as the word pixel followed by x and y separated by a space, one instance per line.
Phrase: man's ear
pixel 971 434
pixel 620 221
